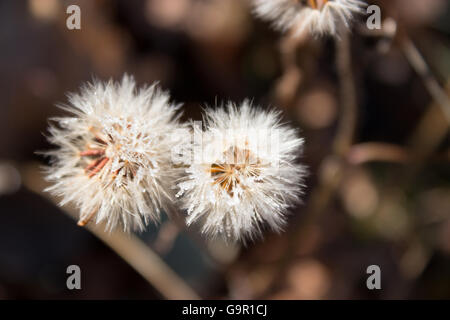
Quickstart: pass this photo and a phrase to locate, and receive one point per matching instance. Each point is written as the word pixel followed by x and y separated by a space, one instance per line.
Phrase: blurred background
pixel 386 201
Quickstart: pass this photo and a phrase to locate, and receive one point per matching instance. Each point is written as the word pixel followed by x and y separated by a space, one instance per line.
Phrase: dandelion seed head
pixel 319 17
pixel 248 175
pixel 113 153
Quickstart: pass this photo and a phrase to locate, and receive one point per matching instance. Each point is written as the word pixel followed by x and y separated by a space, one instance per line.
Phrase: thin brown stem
pixel 347 123
pixel 330 172
pixel 167 234
pixel 377 151
pixel 291 77
pixel 421 67
pixel 129 247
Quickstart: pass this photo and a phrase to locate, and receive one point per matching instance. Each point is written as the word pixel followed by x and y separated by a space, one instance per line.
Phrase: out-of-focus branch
pixel 147 263
pixel 430 132
pixel 416 60
pixel 332 167
pixel 419 64
pixel 385 152
pixel 423 143
pixel 167 235
pixel 348 101
pixel 291 77
pixel 128 246
pixel 377 151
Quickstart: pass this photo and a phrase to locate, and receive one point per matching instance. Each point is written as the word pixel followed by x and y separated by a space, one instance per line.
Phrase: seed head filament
pixel 97 153
pixel 229 174
pixel 317 4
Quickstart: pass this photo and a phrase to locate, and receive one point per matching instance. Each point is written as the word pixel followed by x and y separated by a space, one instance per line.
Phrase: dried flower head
pixel 246 176
pixel 320 17
pixel 113 155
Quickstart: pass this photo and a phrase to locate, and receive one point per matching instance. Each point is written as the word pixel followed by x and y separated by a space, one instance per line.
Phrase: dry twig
pixel 129 247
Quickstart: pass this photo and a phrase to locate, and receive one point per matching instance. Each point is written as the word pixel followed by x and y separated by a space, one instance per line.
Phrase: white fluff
pixel 247 176
pixel 113 155
pixel 319 17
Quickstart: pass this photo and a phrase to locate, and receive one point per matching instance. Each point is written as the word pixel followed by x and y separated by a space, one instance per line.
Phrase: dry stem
pixel 129 247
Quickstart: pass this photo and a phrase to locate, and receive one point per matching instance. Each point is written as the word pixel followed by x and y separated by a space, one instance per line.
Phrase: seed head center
pixel 316 4
pixel 229 174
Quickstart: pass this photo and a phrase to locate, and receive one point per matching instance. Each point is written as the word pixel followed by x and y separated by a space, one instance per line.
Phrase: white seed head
pixel 113 153
pixel 319 17
pixel 247 176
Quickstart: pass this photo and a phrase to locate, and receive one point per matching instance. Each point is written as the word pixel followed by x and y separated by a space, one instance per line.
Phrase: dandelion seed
pixel 319 17
pixel 113 154
pixel 243 182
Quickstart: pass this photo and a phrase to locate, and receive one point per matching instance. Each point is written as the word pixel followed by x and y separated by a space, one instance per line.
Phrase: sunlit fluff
pixel 248 175
pixel 113 154
pixel 319 17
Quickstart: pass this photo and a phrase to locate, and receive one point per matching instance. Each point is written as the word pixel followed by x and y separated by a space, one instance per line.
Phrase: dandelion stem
pixel 129 247
pixel 147 263
pixel 331 168
pixel 347 124
pixel 291 78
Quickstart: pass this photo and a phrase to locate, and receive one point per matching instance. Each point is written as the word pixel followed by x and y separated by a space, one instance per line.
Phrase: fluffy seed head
pixel 113 153
pixel 319 17
pixel 247 176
